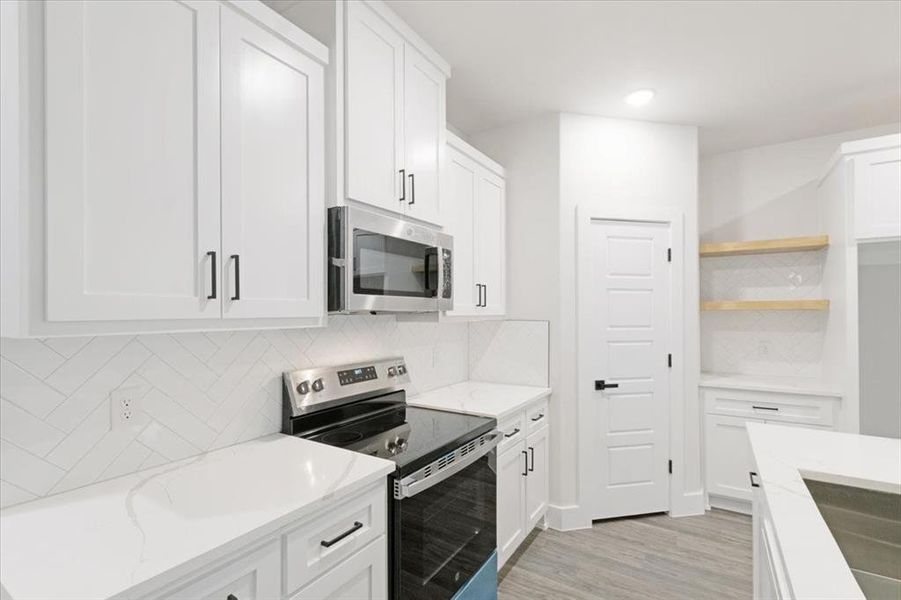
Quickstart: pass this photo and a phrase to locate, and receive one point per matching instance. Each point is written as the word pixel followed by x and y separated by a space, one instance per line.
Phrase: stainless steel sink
pixel 867 527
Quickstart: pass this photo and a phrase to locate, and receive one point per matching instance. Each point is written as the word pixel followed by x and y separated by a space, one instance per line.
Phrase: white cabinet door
pixel 273 196
pixel 256 576
pixel 424 127
pixel 728 456
pixel 537 481
pixel 374 109
pixel 511 490
pixel 877 194
pixel 490 246
pixel 132 159
pixel 460 195
pixel 363 576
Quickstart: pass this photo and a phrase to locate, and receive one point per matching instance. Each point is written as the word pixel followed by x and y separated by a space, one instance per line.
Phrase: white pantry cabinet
pixel 181 178
pixel 877 194
pixel 727 450
pixel 394 105
pixel 522 476
pixel 475 209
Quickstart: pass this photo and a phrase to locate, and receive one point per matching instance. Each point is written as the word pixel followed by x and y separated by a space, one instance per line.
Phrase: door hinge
pixel 669 255
pixel 669 361
pixel 670 467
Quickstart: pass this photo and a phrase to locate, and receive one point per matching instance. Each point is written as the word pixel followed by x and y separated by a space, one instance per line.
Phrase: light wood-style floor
pixel 656 556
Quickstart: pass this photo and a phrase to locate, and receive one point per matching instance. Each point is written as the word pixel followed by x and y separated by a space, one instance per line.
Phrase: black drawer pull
pixel 212 296
pixel 751 476
pixel 538 418
pixel 512 433
pixel 776 408
pixel 335 540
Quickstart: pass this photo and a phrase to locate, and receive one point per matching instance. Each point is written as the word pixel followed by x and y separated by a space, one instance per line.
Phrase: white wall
pixel 879 284
pixel 554 164
pixel 768 191
pixel 198 391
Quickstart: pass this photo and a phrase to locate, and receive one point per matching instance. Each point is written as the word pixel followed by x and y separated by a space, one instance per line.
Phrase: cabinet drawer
pixel 320 544
pixel 811 410
pixel 537 415
pixel 363 576
pixel 513 430
pixel 255 576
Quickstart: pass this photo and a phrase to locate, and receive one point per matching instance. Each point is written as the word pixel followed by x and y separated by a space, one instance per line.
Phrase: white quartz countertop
pixel 764 383
pixel 480 398
pixel 136 532
pixel 785 456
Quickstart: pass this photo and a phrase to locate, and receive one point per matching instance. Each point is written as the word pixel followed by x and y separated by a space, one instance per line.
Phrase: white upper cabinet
pixel 132 159
pixel 272 174
pixel 374 110
pixel 474 211
pixel 424 127
pixel 395 89
pixel 184 141
pixel 877 194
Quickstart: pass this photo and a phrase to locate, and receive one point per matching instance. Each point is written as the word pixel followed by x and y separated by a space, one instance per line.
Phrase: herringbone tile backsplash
pixel 198 391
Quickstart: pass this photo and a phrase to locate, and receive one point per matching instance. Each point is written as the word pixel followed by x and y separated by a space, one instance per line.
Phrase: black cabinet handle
pixel 600 384
pixel 412 177
pixel 765 408
pixel 237 260
pixel 538 418
pixel 751 476
pixel 525 466
pixel 532 457
pixel 403 185
pixel 335 540
pixel 212 255
pixel 511 434
pixel 485 300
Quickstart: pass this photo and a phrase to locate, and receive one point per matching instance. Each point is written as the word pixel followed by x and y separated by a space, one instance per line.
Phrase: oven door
pixel 381 263
pixel 443 534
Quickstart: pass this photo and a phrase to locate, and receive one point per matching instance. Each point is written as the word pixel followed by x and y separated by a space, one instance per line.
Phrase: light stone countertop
pixel 764 383
pixel 480 398
pixel 785 456
pixel 142 530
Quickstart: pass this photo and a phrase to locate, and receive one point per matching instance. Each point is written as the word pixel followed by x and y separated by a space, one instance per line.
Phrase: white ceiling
pixel 748 73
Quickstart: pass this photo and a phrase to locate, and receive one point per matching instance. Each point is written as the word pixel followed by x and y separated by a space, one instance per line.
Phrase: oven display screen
pixel 356 375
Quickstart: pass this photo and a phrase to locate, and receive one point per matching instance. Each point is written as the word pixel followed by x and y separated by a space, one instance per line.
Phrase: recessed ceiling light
pixel 639 97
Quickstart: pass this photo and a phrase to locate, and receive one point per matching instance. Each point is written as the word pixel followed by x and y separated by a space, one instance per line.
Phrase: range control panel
pixel 357 375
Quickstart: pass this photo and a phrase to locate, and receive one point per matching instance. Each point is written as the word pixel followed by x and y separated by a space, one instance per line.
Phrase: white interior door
pixel 273 195
pixel 132 159
pixel 490 229
pixel 460 191
pixel 374 109
pixel 624 308
pixel 424 127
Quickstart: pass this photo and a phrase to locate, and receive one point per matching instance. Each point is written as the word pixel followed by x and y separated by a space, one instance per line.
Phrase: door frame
pixel 585 215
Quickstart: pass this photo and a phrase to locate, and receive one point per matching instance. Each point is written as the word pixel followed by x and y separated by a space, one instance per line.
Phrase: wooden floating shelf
pixel 765 305
pixel 796 244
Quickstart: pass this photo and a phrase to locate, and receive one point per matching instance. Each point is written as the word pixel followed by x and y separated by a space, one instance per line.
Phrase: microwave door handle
pixel 428 256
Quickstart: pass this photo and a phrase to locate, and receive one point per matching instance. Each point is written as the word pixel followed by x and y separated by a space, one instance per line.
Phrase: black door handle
pixel 237 260
pixel 327 543
pixel 212 255
pixel 600 384
pixel 751 476
pixel 525 466
pixel 412 177
pixel 532 456
pixel 403 185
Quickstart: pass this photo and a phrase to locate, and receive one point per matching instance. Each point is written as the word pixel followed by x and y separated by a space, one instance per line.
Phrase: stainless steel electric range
pixel 442 509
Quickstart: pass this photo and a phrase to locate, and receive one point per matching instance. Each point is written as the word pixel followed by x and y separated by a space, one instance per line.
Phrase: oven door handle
pixel 418 481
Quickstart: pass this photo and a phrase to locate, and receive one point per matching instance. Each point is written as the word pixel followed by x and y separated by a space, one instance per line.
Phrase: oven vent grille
pixel 448 460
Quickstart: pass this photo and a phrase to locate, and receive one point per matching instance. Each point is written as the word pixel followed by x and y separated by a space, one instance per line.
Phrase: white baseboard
pixel 567 518
pixel 688 505
pixel 731 504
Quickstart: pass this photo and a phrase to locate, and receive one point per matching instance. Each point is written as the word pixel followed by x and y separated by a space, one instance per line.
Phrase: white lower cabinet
pixel 727 451
pixel 522 477
pixel 770 580
pixel 340 553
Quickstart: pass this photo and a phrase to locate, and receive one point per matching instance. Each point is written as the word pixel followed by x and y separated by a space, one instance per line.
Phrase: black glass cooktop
pixel 386 427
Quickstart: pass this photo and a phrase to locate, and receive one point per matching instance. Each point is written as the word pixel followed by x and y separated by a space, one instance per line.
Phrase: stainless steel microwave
pixel 385 264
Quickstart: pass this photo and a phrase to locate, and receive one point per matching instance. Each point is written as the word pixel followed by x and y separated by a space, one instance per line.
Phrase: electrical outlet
pixel 124 407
